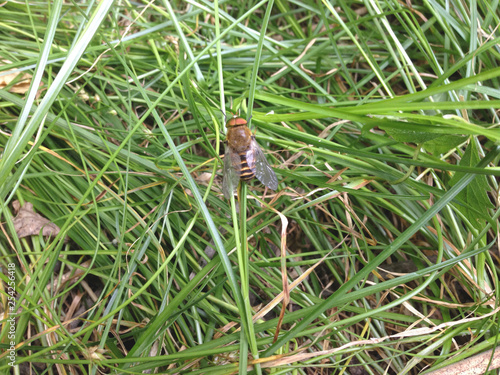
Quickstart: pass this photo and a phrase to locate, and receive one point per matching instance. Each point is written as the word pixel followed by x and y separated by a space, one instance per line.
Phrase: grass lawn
pixel 377 254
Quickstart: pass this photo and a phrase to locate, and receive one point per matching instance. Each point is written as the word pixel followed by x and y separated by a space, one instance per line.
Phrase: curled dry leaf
pixel 21 85
pixel 29 223
pixel 204 177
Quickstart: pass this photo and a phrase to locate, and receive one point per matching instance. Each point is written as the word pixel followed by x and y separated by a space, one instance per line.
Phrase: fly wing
pixel 263 170
pixel 231 178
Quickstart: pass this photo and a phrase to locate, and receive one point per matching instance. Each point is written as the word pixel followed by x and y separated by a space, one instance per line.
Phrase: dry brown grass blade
pixel 485 288
pixel 475 365
pixel 276 300
pixel 280 297
pixel 480 361
pixel 284 274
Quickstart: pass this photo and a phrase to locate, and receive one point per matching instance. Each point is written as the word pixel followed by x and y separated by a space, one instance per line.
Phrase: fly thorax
pixel 239 138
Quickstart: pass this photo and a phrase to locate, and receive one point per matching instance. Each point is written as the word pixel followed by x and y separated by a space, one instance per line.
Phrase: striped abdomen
pixel 247 165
